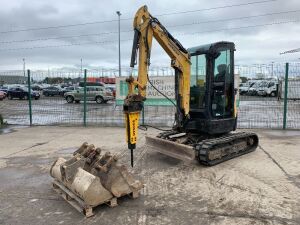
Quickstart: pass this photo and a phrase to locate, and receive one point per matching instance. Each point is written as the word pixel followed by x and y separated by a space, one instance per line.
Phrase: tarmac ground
pixel 258 188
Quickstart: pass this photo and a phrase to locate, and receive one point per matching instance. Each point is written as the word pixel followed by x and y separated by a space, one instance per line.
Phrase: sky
pixel 256 40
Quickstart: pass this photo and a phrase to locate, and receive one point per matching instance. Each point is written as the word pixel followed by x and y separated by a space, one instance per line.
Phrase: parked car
pixel 2 95
pixel 64 85
pixel 21 93
pixel 112 88
pixel 268 88
pixel 68 89
pixel 81 84
pixel 43 85
pixel 93 93
pixel 4 89
pixel 52 91
pixel 253 89
pixel 244 87
pixel 36 87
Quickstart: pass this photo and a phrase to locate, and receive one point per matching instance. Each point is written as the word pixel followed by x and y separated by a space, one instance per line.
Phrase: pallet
pixel 79 204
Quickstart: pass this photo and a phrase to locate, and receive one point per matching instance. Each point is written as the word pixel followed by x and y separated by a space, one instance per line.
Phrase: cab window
pixel 198 81
pixel 222 85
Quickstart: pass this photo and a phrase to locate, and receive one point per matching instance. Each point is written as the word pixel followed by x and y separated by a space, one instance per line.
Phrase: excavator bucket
pixel 90 178
pixel 170 148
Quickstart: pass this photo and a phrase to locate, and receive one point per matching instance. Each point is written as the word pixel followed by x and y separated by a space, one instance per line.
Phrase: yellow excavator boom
pixel 147 27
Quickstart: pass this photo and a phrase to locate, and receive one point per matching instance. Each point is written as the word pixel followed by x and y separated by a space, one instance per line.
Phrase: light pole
pixel 119 15
pixel 24 72
pixel 272 69
pixel 81 67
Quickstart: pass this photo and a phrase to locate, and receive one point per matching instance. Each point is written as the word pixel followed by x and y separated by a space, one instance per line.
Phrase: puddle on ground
pixel 10 129
pixel 6 130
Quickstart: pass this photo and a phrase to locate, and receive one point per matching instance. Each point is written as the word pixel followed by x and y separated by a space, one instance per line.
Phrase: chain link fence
pixel 263 97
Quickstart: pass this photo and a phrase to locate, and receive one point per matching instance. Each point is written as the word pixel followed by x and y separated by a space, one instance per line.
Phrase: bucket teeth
pixel 93 177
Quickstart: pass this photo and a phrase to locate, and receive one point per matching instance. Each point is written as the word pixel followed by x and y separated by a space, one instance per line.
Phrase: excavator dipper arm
pixel 147 27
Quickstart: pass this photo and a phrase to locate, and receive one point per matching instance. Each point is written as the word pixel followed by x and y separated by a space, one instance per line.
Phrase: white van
pixel 254 86
pixel 243 88
pixel 268 88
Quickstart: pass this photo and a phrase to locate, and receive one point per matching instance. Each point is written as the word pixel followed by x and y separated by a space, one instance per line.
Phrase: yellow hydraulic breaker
pixel 133 105
pixel 132 123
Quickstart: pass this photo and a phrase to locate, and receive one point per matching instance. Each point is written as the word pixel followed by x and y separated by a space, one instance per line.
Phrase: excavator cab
pixel 212 94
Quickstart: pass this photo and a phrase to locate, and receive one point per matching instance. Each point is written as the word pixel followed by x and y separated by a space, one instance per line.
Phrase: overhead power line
pixel 214 8
pixel 291 51
pixel 66 45
pixel 56 27
pixel 115 20
pixel 59 37
pixel 235 18
pixel 183 34
pixel 126 31
pixel 243 27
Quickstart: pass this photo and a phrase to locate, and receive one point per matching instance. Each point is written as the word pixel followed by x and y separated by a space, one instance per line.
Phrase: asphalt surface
pixel 254 112
pixel 258 188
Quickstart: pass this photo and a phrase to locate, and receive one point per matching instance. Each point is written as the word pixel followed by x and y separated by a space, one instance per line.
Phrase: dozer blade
pixel 175 150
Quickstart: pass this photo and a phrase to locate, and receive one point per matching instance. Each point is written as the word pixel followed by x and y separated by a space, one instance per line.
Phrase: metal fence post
pixel 84 99
pixel 143 115
pixel 285 94
pixel 29 97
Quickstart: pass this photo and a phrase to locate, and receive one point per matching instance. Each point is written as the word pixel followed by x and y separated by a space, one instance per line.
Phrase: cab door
pixel 222 96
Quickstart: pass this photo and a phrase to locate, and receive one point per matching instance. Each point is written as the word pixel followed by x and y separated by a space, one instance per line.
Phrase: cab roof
pixel 210 48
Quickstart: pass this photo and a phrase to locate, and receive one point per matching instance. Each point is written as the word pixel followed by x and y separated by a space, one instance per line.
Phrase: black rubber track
pixel 206 146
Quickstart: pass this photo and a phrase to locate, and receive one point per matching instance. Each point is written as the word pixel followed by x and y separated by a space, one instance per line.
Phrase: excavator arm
pixel 147 27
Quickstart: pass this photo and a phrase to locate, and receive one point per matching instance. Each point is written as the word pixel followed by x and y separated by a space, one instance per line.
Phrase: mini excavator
pixel 205 97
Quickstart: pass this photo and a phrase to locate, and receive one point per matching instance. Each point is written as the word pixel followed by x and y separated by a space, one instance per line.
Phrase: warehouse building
pixel 12 79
